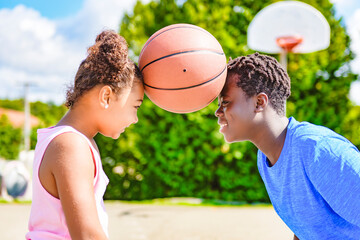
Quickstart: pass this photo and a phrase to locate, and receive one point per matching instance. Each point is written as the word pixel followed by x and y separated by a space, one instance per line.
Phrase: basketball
pixel 184 68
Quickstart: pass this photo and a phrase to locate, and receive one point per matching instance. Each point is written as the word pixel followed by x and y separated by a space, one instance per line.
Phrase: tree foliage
pixel 11 138
pixel 168 154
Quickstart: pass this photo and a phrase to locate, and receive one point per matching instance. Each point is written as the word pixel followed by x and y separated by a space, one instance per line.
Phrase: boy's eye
pixel 224 103
pixel 137 107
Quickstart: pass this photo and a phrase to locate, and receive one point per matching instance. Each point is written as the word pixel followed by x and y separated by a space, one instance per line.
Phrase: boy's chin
pixel 232 139
pixel 228 139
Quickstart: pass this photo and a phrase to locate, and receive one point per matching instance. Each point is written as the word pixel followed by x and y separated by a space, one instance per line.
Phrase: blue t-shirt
pixel 315 184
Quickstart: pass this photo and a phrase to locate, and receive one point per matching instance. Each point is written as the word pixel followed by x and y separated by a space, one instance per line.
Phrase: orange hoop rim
pixel 288 42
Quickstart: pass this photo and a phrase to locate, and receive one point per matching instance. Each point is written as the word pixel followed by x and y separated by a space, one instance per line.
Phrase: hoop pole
pixel 283 59
pixel 27 126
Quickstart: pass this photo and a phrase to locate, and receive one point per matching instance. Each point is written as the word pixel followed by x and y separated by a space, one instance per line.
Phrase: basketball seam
pixel 193 27
pixel 177 53
pixel 183 88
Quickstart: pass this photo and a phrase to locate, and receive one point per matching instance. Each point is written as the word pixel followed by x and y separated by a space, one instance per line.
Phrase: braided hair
pixel 260 73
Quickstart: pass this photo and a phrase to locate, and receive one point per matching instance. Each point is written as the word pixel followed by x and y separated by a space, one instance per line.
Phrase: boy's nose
pixel 219 112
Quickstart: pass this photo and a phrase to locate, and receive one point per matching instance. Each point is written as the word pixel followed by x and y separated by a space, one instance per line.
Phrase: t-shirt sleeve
pixel 334 170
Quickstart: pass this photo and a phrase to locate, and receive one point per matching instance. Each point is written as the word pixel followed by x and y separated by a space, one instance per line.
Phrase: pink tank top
pixel 47 219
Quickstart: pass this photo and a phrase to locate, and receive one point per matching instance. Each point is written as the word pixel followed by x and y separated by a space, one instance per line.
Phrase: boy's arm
pixel 334 171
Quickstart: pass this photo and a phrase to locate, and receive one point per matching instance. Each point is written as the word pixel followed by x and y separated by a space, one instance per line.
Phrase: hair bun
pixel 111 48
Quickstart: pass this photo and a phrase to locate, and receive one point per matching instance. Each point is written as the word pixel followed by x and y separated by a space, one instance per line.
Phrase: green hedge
pixel 10 139
pixel 170 155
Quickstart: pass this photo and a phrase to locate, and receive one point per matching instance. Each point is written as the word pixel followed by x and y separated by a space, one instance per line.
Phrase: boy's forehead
pixel 223 93
pixel 229 84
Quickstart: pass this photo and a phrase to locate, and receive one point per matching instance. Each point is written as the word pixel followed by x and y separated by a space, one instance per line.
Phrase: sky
pixel 42 42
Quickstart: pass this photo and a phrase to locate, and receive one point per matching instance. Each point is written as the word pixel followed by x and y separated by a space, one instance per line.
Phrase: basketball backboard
pixel 288 26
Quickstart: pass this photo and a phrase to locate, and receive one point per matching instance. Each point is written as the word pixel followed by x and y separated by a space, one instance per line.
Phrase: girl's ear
pixel 104 96
pixel 262 101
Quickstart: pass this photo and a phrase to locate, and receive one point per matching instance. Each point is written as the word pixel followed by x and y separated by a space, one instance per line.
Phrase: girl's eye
pixel 137 107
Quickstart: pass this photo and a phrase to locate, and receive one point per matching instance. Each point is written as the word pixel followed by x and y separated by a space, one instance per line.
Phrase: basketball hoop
pixel 289 42
pixel 277 27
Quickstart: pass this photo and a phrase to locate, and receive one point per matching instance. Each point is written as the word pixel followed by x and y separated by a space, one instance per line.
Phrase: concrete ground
pixel 168 222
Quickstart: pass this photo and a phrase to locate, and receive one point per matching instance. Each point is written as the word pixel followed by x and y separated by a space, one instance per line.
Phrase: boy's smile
pixel 236 111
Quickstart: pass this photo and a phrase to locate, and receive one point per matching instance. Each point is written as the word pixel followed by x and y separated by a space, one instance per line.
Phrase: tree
pixel 320 81
pixel 169 154
pixel 10 139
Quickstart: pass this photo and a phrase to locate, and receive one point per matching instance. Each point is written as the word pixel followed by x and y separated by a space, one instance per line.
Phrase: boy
pixel 311 173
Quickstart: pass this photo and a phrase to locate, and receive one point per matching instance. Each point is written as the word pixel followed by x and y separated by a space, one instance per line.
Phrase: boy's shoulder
pixel 309 136
pixel 306 130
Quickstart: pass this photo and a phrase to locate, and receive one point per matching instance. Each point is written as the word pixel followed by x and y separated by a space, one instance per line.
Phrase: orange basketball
pixel 184 68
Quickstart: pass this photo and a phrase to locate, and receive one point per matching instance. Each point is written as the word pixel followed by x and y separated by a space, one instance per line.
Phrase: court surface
pixel 168 222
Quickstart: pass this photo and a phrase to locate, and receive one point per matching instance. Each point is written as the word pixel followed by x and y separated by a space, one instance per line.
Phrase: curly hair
pixel 260 73
pixel 107 63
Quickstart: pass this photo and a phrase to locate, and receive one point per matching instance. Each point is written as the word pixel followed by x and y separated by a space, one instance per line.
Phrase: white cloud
pixel 355 92
pixel 43 87
pixel 29 42
pixel 343 2
pixel 353 28
pixel 47 53
pixel 94 17
pixel 350 11
pixel 344 8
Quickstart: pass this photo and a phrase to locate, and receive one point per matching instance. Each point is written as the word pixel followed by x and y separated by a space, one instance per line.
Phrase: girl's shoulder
pixel 68 148
pixel 69 141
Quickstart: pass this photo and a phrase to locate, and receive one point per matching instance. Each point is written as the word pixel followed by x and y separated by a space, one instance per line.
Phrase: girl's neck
pixel 78 119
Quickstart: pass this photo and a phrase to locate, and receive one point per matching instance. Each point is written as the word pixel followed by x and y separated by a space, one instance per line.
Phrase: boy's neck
pixel 271 137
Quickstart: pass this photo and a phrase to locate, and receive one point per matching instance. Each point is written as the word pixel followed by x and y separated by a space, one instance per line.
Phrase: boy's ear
pixel 262 101
pixel 104 96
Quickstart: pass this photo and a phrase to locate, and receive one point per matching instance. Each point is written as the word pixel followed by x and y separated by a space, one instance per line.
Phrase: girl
pixel 68 180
